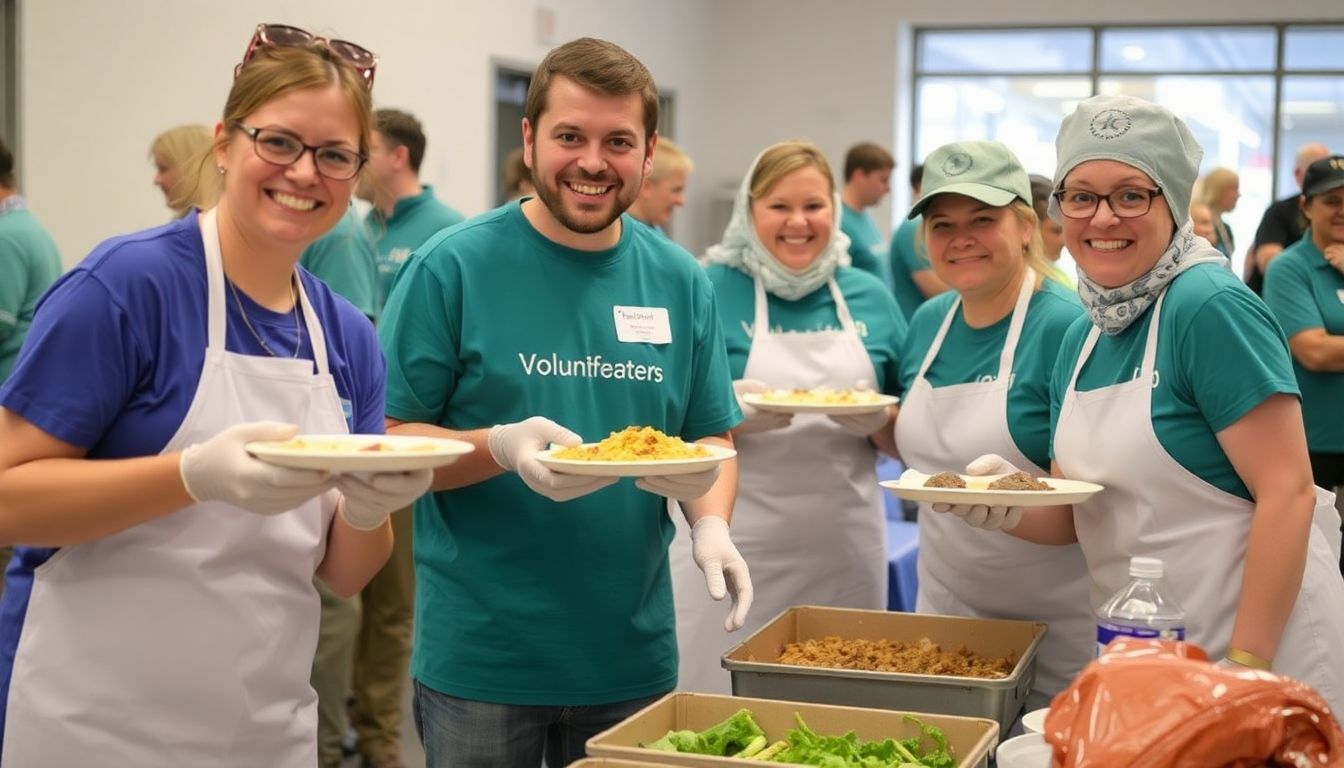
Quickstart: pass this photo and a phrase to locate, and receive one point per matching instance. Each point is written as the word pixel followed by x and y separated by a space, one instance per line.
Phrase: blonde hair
pixel 669 159
pixel 1215 185
pixel 186 149
pixel 781 159
pixel 1033 253
pixel 275 71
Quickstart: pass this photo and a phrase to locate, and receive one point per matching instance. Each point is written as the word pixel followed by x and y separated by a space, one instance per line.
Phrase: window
pixel 1252 94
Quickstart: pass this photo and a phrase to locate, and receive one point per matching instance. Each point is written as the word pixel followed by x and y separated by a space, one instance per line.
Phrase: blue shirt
pixel 114 356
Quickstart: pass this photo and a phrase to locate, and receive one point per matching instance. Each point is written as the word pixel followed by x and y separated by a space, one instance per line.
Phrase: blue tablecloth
pixel 902 544
pixel 902 565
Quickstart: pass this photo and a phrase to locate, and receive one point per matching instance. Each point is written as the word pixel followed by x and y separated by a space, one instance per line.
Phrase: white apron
pixel 808 520
pixel 965 571
pixel 187 640
pixel 1152 506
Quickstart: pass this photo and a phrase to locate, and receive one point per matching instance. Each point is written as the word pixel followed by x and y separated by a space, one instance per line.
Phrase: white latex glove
pixel 219 469
pixel 680 487
pixel 515 447
pixel 754 420
pixel 369 497
pixel 979 515
pixel 862 424
pixel 725 570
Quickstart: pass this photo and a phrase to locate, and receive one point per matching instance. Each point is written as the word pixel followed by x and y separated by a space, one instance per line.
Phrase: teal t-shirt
pixel 29 264
pixel 905 261
pixel 877 319
pixel 519 599
pixel 972 354
pixel 1219 354
pixel 343 259
pixel 1304 291
pixel 865 242
pixel 414 220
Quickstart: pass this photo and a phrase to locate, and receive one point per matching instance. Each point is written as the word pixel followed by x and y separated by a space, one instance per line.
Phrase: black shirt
pixel 1282 224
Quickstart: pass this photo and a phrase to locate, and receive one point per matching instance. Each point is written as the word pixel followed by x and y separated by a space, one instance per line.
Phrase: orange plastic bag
pixel 1162 705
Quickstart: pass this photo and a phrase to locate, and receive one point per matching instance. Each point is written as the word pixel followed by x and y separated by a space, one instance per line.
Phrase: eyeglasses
pixel 279 148
pixel 282 35
pixel 1126 203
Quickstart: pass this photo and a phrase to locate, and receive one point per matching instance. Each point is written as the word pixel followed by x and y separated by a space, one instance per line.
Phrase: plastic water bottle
pixel 1144 608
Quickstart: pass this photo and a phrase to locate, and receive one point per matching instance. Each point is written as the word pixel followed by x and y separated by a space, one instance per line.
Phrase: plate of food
pixel 1018 489
pixel 635 452
pixel 819 400
pixel 360 453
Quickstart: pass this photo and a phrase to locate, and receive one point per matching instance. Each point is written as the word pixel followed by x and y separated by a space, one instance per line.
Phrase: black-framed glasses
pixel 269 35
pixel 1126 202
pixel 279 147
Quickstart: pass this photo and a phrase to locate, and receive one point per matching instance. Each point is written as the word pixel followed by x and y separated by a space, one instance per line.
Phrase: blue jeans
pixel 461 733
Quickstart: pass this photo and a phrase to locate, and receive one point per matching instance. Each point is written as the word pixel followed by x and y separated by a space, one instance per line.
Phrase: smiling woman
pixel 796 316
pixel 138 513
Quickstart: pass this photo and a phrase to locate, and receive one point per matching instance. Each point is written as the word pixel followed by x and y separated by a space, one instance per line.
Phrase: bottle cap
pixel 1145 567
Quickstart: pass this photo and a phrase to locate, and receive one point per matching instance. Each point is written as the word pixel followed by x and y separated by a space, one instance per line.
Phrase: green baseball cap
pixel 985 170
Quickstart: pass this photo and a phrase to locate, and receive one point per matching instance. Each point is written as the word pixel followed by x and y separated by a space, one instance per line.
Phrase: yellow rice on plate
pixel 820 396
pixel 634 444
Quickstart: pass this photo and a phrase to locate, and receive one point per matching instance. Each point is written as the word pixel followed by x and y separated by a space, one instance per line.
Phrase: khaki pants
pixel 5 554
pixel 383 648
pixel 331 671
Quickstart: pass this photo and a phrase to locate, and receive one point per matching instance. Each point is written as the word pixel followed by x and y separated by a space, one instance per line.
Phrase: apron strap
pixel 315 333
pixel 938 338
pixel 216 305
pixel 1015 325
pixel 761 319
pixel 841 307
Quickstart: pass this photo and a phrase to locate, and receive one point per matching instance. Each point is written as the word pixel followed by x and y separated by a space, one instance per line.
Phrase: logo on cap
pixel 957 164
pixel 1110 124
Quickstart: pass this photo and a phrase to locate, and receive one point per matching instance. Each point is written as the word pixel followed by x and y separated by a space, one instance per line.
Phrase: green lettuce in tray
pixel 740 736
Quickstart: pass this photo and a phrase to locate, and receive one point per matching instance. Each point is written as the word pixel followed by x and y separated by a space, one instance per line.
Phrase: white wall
pixel 101 79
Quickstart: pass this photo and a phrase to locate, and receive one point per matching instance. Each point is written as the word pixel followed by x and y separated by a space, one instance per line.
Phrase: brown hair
pixel 781 159
pixel 598 66
pixel 275 71
pixel 516 172
pixel 401 129
pixel 867 157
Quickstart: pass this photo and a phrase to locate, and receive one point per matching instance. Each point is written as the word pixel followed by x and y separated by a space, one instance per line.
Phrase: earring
pixel 221 170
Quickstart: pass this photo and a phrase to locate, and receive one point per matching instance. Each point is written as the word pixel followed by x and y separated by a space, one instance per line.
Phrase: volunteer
pixel 543 605
pixel 161 609
pixel 809 515
pixel 1220 191
pixel 1202 454
pixel 180 156
pixel 976 371
pixel 664 190
pixel 1304 287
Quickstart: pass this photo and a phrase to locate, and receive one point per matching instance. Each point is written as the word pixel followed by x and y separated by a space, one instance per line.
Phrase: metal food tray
pixel 999 700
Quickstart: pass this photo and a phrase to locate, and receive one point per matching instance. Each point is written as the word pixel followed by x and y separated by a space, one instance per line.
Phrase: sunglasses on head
pixel 284 36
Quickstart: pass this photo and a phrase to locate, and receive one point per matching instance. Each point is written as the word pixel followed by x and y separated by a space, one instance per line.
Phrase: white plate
pixel 1034 721
pixel 1029 750
pixel 911 486
pixel 760 403
pixel 349 453
pixel 652 468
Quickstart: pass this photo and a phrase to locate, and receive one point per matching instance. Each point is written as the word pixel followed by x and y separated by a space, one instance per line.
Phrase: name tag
pixel 642 324
pixel 1340 294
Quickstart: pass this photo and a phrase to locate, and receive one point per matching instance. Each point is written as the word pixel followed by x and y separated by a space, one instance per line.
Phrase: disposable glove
pixel 754 420
pixel 725 570
pixel 979 515
pixel 862 424
pixel 515 446
pixel 680 487
pixel 369 497
pixel 219 469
